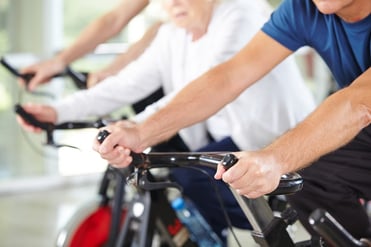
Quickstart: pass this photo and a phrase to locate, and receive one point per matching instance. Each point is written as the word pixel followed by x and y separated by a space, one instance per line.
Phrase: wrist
pixel 143 139
pixel 61 61
pixel 278 159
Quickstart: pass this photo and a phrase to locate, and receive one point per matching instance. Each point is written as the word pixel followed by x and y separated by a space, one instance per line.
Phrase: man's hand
pixel 43 113
pixel 43 72
pixel 254 175
pixel 116 147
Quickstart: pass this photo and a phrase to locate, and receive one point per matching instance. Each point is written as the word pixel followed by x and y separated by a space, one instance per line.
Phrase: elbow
pixel 365 115
pixel 359 100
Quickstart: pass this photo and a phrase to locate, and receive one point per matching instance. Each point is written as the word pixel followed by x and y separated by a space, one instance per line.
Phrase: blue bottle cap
pixel 178 203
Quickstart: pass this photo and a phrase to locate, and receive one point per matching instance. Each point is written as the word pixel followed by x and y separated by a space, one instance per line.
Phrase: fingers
pixel 109 150
pixel 42 72
pixel 249 182
pixel 27 126
pixel 235 172
pixel 219 172
pixel 35 80
pixel 42 113
pixel 116 147
pixel 254 175
pixel 119 157
pixel 107 142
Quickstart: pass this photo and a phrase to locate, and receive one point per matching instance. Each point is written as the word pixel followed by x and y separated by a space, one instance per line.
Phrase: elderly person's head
pixel 192 15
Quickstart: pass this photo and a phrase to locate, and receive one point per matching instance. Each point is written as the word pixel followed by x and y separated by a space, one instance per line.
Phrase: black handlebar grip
pixel 102 135
pixel 9 67
pixel 138 158
pixel 15 72
pixel 79 79
pixel 31 119
pixel 228 161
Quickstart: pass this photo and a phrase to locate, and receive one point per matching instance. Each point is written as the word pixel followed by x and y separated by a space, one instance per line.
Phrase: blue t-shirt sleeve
pixel 287 23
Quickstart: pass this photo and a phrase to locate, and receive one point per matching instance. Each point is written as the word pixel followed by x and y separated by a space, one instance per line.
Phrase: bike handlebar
pixel 79 78
pixel 15 72
pixel 50 127
pixel 289 183
pixel 29 118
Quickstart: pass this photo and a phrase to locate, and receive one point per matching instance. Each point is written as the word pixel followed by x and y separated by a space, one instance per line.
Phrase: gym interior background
pixel 37 29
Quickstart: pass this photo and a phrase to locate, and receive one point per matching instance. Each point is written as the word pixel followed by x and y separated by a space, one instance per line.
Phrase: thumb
pixel 219 172
pixel 36 80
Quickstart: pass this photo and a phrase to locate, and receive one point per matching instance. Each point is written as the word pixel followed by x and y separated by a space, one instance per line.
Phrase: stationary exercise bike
pixel 269 230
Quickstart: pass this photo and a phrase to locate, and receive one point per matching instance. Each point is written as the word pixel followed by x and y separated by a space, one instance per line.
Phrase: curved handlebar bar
pixel 78 78
pixel 290 183
pixel 31 119
pixel 50 127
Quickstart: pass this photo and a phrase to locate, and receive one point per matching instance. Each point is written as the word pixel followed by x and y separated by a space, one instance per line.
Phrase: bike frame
pixel 268 230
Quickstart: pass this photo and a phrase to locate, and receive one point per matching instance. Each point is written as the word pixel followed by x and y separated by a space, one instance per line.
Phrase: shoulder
pixel 292 23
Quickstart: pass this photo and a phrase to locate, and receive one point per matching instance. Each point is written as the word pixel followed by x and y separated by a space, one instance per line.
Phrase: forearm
pixel 210 92
pixel 101 30
pixel 196 102
pixel 337 121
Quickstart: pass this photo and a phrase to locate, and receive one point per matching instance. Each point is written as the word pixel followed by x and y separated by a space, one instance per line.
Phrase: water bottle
pixel 200 230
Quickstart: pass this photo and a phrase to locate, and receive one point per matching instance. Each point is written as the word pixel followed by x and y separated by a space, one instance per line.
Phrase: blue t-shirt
pixel 345 47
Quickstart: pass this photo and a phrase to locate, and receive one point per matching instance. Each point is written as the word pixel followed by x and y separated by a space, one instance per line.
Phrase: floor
pixel 34 219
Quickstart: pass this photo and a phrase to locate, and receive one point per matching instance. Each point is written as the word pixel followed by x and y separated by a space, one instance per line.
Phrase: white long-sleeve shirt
pixel 263 112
